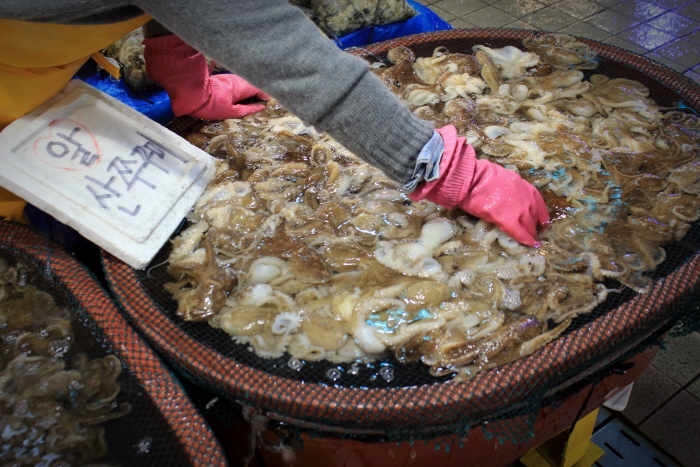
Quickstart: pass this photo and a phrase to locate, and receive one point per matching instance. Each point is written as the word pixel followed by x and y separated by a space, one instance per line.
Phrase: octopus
pixel 54 399
pixel 402 73
pixel 299 248
pixel 512 62
pixel 562 51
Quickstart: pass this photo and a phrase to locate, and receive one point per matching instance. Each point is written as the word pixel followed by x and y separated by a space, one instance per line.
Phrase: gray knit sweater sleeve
pixel 274 46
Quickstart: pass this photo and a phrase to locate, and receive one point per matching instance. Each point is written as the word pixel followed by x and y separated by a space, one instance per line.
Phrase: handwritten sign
pixel 118 178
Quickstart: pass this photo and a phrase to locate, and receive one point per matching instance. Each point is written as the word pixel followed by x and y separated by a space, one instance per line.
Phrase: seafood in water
pixel 562 51
pixel 52 398
pixel 512 62
pixel 299 247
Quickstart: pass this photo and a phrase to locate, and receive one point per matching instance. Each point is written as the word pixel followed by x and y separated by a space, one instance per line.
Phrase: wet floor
pixel 663 411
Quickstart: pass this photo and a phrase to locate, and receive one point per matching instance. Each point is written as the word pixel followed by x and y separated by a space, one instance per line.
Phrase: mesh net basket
pixel 413 404
pixel 162 426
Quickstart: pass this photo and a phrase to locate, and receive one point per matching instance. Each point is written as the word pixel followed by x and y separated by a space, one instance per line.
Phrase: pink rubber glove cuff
pixel 188 86
pixel 183 73
pixel 456 172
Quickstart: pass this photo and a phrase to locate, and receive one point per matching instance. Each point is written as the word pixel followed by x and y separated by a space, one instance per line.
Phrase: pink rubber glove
pixel 183 73
pixel 485 190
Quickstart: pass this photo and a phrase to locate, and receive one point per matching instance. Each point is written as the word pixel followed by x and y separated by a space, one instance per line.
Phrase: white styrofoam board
pixel 97 165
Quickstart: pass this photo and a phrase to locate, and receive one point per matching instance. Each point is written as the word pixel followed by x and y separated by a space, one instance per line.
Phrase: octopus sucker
pixel 298 247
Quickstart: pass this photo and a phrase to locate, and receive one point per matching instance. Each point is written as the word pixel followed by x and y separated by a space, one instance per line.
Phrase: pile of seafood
pixel 128 53
pixel 299 247
pixel 53 399
pixel 340 17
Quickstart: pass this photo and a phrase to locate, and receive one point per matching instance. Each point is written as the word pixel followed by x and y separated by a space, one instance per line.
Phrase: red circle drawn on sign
pixel 72 158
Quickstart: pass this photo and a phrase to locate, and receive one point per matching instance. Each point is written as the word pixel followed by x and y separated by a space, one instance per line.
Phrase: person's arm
pixel 276 48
